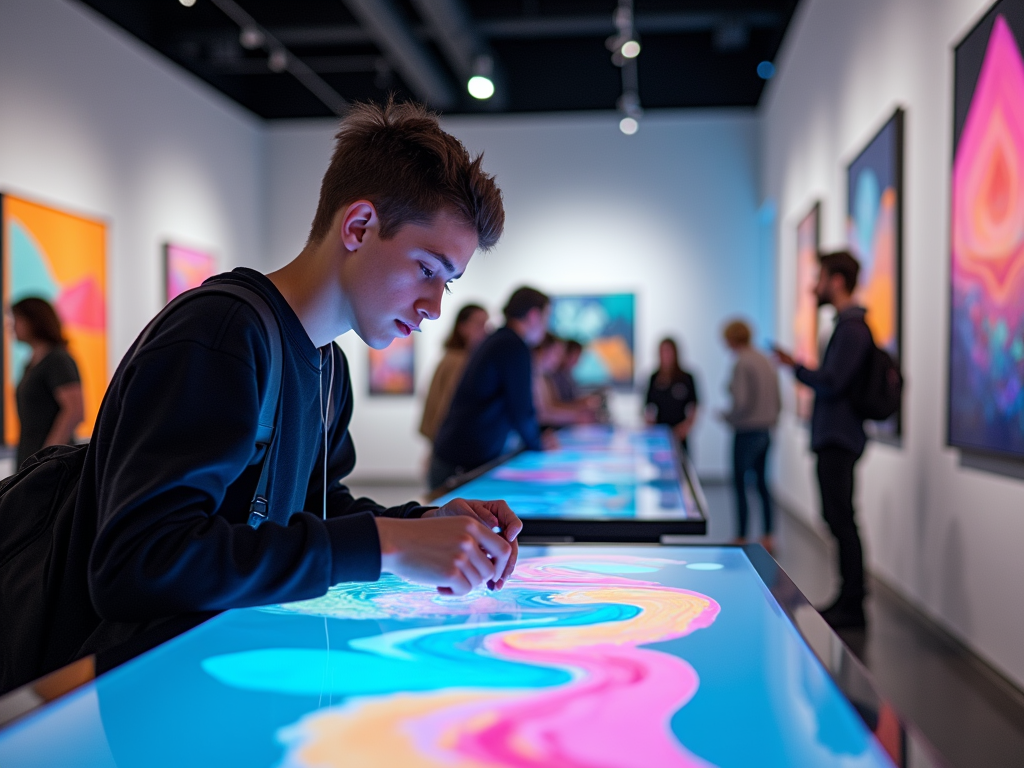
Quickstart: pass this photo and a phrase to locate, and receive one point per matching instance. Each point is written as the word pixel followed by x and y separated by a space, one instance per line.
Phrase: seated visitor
pixel 672 394
pixel 551 410
pixel 469 330
pixel 173 463
pixel 561 378
pixel 494 400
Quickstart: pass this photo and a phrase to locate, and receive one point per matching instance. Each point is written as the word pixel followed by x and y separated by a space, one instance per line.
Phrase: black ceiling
pixel 549 55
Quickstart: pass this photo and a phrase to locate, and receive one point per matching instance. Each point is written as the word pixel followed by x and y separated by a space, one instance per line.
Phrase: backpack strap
pixel 259 507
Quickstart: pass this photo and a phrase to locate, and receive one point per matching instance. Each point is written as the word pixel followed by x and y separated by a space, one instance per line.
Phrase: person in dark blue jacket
pixel 173 462
pixel 494 400
pixel 837 430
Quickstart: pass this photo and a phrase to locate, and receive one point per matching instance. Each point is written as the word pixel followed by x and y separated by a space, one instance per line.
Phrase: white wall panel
pixel 670 214
pixel 943 534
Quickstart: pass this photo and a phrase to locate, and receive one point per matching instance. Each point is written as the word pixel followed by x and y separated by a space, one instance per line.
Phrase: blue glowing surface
pixel 597 473
pixel 618 657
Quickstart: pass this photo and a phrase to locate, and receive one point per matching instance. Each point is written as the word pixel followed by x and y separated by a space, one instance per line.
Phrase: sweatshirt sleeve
pixel 518 383
pixel 742 393
pixel 168 540
pixel 843 361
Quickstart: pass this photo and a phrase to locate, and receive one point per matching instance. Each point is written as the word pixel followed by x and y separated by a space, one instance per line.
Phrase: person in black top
pixel 837 430
pixel 173 462
pixel 494 400
pixel 49 395
pixel 672 394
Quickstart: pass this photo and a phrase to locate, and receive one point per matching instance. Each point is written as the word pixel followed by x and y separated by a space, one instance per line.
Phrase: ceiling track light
pixel 187 3
pixel 481 84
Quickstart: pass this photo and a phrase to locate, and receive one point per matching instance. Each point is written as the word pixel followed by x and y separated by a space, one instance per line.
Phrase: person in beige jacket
pixel 469 330
pixel 754 388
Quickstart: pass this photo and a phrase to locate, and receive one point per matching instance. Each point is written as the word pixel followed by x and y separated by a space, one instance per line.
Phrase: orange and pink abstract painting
pixel 60 257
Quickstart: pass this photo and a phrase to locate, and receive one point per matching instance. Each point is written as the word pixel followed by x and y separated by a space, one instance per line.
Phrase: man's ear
pixel 356 220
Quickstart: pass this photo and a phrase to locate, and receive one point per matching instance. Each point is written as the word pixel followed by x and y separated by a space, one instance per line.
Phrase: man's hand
pixel 454 554
pixel 493 514
pixel 549 440
pixel 784 357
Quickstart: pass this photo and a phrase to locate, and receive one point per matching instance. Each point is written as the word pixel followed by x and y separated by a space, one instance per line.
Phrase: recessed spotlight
pixel 629 125
pixel 250 38
pixel 278 60
pixel 766 70
pixel 187 3
pixel 630 49
pixel 480 87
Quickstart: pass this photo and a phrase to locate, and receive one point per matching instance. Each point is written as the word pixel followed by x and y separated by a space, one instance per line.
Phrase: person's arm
pixel 550 412
pixel 179 429
pixel 740 387
pixel 72 410
pixel 650 407
pixel 849 346
pixel 517 383
pixel 683 428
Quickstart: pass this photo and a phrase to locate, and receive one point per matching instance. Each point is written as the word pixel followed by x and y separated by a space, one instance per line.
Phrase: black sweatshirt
pixel 171 469
pixel 835 422
pixel 494 397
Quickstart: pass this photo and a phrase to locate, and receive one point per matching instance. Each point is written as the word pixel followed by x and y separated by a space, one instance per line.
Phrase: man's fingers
pixel 497 548
pixel 511 565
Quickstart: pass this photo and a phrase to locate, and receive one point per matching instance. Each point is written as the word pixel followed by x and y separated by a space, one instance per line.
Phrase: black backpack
pixel 879 391
pixel 46 614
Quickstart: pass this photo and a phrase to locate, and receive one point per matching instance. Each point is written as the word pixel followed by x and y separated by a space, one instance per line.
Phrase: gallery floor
pixel 972 715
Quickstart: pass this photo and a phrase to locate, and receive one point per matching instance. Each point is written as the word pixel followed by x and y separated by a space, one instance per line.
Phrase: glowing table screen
pixel 598 473
pixel 614 657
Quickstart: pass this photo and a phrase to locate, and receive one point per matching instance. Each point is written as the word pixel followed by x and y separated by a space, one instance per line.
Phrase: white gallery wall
pixel 94 122
pixel 944 534
pixel 669 214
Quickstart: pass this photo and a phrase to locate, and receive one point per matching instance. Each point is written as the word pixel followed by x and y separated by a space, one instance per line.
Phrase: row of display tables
pixel 595 654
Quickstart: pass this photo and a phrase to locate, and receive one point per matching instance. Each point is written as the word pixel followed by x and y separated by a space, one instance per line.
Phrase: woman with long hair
pixel 469 330
pixel 672 394
pixel 49 395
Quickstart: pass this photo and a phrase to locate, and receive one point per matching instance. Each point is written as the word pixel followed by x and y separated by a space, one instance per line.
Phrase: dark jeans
pixel 440 470
pixel 750 453
pixel 835 477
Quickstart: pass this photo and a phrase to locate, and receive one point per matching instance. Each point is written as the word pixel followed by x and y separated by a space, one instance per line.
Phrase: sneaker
pixel 840 616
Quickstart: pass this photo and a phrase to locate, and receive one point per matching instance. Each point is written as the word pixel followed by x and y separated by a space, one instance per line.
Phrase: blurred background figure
pixel 49 395
pixel 469 330
pixel 561 378
pixel 552 410
pixel 754 387
pixel 672 394
pixel 492 407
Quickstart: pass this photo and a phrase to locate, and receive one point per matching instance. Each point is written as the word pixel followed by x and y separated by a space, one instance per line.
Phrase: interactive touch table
pixel 610 657
pixel 601 484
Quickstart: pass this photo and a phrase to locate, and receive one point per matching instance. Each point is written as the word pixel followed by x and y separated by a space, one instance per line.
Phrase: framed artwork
pixel 805 318
pixel 986 350
pixel 393 369
pixel 185 268
pixel 60 257
pixel 604 325
pixel 874 216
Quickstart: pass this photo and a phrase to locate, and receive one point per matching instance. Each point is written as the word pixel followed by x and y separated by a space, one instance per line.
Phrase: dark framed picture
pixel 392 370
pixel 874 223
pixel 805 316
pixel 185 268
pixel 986 329
pixel 604 324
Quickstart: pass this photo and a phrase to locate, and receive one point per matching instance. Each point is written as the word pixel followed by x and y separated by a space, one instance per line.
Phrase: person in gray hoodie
pixel 754 388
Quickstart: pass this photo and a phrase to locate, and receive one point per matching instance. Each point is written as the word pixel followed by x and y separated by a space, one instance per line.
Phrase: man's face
pixel 394 285
pixel 536 325
pixel 823 290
